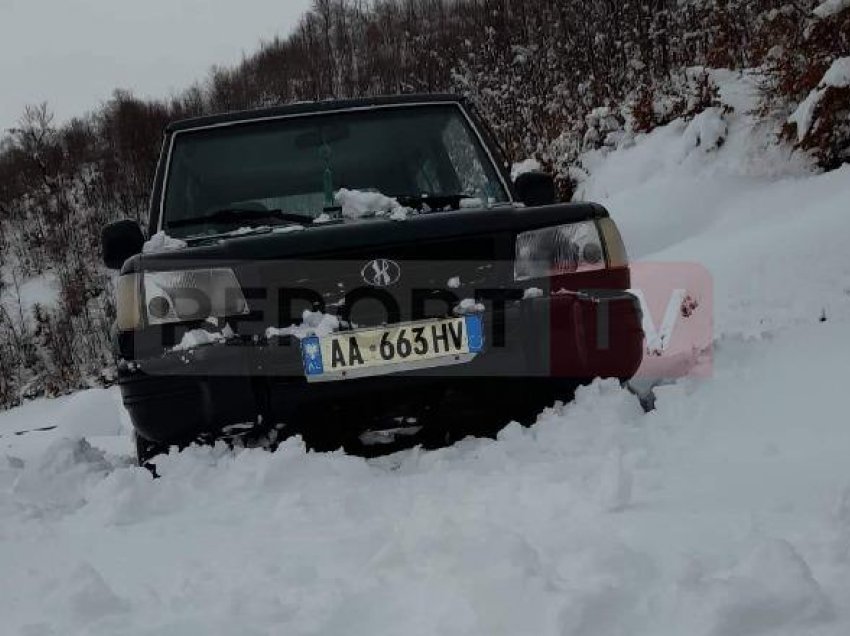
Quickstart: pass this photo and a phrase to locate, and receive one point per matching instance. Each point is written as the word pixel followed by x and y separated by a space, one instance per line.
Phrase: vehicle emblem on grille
pixel 381 272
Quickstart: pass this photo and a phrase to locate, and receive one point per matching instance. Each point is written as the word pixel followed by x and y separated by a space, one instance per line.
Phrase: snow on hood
pixel 201 337
pixel 161 242
pixel 287 229
pixel 244 231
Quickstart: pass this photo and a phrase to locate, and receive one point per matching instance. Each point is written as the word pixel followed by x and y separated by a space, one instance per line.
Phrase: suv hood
pixel 373 237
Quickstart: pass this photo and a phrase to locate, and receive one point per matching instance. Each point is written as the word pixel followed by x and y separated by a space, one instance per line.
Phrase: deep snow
pixel 726 511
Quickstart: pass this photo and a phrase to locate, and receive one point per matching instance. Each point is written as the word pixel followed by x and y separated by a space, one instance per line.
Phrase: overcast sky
pixel 73 53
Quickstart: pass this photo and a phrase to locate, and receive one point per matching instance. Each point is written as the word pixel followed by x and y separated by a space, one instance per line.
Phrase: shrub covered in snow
pixel 806 78
pixel 822 120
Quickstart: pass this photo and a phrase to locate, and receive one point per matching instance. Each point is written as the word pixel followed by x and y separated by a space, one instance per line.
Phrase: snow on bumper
pixel 565 334
pixel 182 394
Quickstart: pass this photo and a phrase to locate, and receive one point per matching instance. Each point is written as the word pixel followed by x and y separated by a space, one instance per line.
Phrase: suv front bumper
pixel 552 343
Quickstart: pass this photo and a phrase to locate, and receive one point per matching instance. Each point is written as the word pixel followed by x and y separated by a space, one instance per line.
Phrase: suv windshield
pixel 290 170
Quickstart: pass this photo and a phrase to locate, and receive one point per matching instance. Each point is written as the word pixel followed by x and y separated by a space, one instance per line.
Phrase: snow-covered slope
pixel 720 192
pixel 726 511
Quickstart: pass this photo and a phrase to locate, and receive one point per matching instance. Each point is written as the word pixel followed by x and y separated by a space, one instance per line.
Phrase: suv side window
pixel 464 156
pixel 427 179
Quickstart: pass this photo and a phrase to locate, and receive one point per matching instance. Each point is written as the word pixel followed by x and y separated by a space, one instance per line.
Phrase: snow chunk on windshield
pixel 313 323
pixel 161 242
pixel 358 203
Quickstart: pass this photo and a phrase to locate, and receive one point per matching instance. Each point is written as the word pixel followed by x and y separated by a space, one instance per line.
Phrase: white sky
pixel 73 53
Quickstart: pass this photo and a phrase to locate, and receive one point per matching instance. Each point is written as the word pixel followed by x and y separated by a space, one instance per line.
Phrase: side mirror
pixel 535 189
pixel 120 241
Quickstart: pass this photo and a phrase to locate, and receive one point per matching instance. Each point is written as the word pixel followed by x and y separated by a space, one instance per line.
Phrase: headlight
pixel 615 249
pixel 186 296
pixel 562 249
pixel 159 298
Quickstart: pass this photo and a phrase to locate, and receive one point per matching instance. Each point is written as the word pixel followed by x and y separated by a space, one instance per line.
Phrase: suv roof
pixel 311 107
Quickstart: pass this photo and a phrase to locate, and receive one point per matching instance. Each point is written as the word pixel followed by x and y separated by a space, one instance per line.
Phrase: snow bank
pixel 707 130
pixel 768 230
pixel 704 517
pixel 57 480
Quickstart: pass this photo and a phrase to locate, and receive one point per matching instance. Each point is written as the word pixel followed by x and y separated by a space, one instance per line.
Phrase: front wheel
pixel 147 450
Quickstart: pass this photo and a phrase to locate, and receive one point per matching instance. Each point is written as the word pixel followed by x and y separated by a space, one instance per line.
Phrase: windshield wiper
pixel 242 215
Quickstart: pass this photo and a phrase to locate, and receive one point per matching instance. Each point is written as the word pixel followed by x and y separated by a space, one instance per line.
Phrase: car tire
pixel 147 450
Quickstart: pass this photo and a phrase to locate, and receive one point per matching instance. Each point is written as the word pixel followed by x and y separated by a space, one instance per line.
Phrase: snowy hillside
pixel 725 511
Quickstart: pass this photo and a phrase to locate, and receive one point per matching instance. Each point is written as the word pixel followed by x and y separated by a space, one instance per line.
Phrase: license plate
pixel 383 350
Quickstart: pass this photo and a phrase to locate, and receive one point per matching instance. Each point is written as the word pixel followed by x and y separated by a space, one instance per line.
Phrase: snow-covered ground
pixel 17 298
pixel 726 511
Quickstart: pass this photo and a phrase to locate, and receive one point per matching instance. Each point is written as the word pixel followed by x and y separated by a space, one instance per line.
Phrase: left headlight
pixel 561 249
pixel 159 298
pixel 186 296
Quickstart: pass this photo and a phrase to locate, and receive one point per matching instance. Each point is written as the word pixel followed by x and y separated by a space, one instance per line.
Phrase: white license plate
pixel 383 350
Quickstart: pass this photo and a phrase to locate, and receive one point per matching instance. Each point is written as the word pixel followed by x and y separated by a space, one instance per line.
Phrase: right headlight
pixel 159 298
pixel 565 249
pixel 615 249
